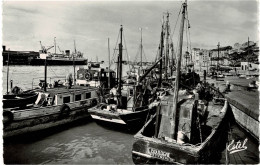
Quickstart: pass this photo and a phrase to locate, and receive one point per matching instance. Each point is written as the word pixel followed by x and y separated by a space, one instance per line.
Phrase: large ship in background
pixel 67 58
pixel 38 58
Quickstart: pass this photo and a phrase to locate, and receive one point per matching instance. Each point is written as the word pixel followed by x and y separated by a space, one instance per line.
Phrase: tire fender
pixel 64 109
pixel 7 117
pixel 94 102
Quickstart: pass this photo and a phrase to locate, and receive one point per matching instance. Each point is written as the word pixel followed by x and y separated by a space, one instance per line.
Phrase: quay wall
pixel 244 104
pixel 248 123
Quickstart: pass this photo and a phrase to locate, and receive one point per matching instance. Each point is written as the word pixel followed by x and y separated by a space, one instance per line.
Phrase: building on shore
pixel 204 59
pixel 219 56
pixel 245 53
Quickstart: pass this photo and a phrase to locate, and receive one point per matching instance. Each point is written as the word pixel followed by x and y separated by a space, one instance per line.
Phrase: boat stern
pixel 152 151
pixel 105 113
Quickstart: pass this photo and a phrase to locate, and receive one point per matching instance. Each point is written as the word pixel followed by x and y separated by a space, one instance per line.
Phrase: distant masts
pixel 55 44
pixel 74 61
pixel 108 64
pixel 141 47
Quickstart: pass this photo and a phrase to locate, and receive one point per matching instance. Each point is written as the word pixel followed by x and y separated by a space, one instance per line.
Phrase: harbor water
pixel 86 142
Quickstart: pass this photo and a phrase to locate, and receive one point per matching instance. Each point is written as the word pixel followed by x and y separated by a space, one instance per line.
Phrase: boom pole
pixel 120 61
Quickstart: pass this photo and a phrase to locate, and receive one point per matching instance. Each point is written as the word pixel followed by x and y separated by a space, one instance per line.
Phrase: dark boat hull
pixel 27 126
pixel 36 119
pixel 151 150
pixel 11 101
pixel 57 62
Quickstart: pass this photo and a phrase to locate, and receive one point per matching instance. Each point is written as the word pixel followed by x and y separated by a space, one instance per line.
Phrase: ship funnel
pixel 67 52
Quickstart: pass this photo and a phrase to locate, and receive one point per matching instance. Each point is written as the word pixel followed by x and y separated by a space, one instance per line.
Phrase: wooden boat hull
pixel 151 150
pixel 35 119
pixel 11 101
pixel 130 120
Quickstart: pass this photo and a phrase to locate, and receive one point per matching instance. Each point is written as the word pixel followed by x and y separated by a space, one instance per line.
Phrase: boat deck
pixel 63 89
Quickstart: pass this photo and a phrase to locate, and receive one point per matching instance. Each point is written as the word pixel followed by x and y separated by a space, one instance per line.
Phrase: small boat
pixel 127 105
pixel 19 100
pixel 189 126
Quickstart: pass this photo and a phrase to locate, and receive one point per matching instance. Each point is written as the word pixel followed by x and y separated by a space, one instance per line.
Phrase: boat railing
pixel 49 80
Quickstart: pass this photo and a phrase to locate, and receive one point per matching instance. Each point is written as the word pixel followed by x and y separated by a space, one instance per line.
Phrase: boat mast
pixel 176 88
pixel 161 60
pixel 141 47
pixel 45 73
pixel 108 64
pixel 167 44
pixel 55 44
pixel 172 60
pixel 120 62
pixel 74 61
pixel 248 56
pixel 7 79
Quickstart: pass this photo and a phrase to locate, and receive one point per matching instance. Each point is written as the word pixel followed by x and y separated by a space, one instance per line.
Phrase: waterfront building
pixel 249 66
pixel 242 55
pixel 195 53
pixel 220 56
pixel 201 58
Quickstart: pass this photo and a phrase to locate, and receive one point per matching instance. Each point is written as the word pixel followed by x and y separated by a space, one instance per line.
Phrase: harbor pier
pixel 244 102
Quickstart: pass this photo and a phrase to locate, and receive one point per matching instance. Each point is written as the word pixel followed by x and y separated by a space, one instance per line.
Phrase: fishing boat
pixel 57 104
pixel 96 76
pixel 127 105
pixel 189 126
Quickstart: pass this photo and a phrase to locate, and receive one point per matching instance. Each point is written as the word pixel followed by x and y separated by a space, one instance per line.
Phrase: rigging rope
pixel 126 52
pixel 176 21
pixel 115 50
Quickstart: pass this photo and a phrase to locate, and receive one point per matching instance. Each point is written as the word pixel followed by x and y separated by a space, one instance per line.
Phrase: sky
pixel 91 23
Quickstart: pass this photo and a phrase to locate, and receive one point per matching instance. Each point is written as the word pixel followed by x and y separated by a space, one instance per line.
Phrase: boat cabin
pixel 59 96
pixel 131 97
pixel 96 77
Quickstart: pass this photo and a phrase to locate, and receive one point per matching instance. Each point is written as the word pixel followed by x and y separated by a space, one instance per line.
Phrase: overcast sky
pixel 91 23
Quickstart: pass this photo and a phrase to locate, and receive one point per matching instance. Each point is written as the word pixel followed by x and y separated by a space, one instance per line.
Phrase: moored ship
pixel 61 58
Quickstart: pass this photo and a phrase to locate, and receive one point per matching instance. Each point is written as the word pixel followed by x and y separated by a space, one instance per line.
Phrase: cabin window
pixel 186 113
pixel 88 95
pixel 66 99
pixel 131 92
pixel 78 97
pixel 103 75
pixel 242 67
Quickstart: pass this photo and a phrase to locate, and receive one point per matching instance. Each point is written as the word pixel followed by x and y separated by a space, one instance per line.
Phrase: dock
pixel 244 102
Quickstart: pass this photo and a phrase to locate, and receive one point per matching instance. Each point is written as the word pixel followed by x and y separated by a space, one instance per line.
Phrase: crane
pixel 44 50
pixel 60 49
